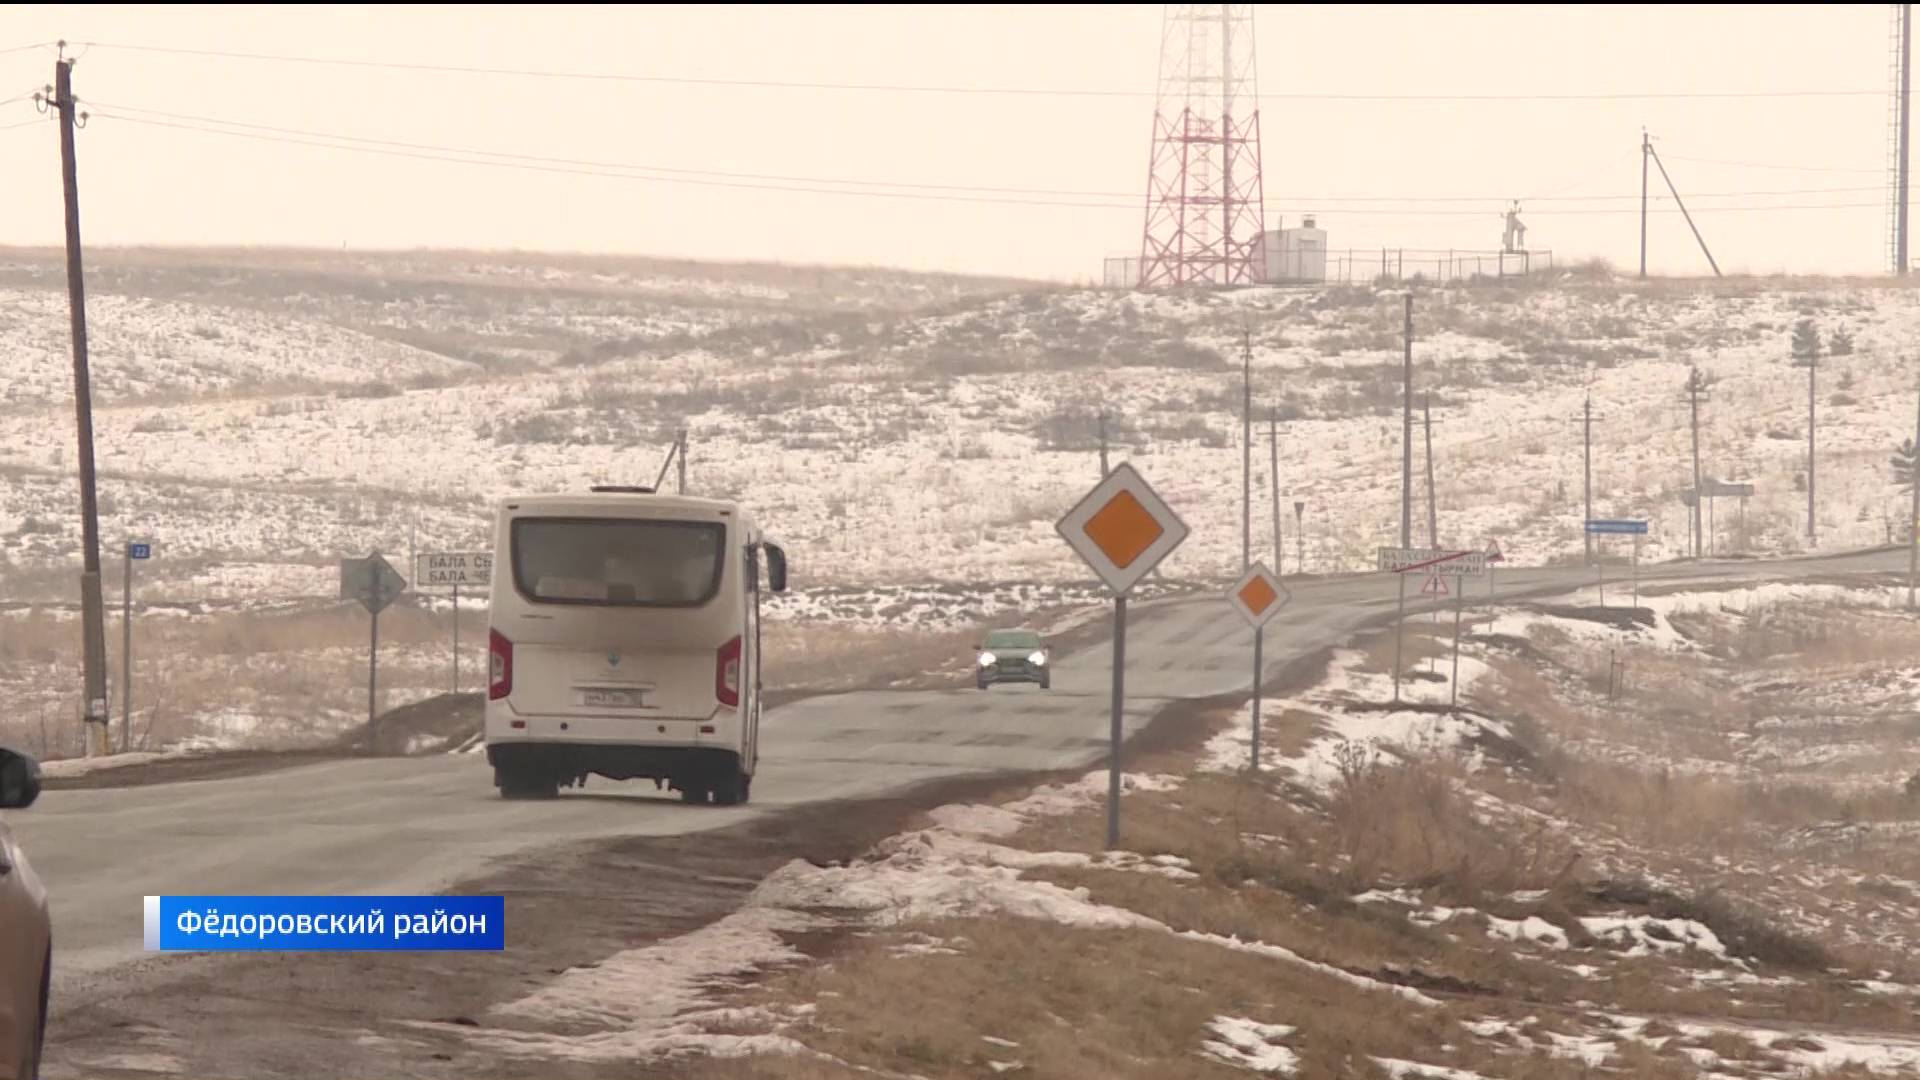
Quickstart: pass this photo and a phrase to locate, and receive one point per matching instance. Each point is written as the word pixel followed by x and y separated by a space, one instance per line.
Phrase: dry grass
pixel 1136 1003
pixel 303 673
pixel 1125 1005
pixel 294 667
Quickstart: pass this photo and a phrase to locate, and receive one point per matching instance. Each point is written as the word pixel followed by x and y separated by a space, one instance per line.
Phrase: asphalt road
pixel 412 825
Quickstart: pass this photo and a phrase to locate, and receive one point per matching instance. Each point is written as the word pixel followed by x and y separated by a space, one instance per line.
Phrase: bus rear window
pixel 618 562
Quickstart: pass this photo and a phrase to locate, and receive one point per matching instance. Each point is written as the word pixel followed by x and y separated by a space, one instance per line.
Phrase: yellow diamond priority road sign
pixel 1122 529
pixel 1258 596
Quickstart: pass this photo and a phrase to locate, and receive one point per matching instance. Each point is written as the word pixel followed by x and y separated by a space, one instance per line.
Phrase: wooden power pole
pixel 92 606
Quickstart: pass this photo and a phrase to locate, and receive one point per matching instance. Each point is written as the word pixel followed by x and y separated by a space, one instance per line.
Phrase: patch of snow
pixel 83 766
pixel 1488 1029
pixel 1399 1070
pixel 1594 1050
pixel 1260 948
pixel 1644 935
pixel 1251 1045
pixel 1388 896
pixel 1533 928
pixel 1372 731
pixel 646 1003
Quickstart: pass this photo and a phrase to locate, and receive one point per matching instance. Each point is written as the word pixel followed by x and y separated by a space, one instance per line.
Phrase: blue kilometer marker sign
pixel 325 923
pixel 139 551
pixel 1632 527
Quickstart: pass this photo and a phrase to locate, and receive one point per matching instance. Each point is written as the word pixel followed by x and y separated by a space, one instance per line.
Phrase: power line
pixel 1023 91
pixel 1766 165
pixel 613 174
pixel 532 166
pixel 190 121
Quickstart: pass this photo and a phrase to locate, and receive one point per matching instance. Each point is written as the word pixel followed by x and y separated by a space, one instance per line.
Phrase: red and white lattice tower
pixel 1204 212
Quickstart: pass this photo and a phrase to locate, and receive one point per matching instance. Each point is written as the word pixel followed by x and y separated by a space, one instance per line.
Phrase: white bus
pixel 625 642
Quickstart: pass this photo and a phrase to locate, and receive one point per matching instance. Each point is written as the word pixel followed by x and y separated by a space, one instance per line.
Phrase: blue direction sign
pixel 1630 527
pixel 139 551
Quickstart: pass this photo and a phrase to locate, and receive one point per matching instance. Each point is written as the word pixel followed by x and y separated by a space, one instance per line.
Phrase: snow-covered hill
pixel 901 430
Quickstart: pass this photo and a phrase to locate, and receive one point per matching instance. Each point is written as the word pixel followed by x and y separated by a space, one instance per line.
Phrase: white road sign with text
pixel 458 569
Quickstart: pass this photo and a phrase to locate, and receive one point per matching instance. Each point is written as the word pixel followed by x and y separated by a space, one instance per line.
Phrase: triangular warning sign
pixel 1435 586
pixel 1493 552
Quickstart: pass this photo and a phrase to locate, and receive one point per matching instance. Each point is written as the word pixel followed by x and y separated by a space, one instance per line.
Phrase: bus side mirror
pixel 776 568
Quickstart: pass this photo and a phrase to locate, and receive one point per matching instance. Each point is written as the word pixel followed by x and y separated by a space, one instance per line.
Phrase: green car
pixel 1013 656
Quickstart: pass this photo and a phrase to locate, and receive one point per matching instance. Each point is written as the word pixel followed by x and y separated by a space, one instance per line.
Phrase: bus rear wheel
pixel 517 784
pixel 732 789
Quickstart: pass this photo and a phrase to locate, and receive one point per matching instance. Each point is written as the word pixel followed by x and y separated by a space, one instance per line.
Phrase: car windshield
pixel 1013 639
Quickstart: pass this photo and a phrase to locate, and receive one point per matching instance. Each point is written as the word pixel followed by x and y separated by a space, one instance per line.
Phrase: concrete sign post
pixel 374 583
pixel 136 552
pixel 1122 529
pixel 473 569
pixel 1258 596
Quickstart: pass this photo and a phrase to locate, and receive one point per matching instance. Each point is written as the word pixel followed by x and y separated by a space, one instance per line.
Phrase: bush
pixel 1192 429
pixel 368 390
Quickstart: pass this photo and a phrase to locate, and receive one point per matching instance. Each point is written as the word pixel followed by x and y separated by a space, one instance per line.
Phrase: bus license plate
pixel 606 698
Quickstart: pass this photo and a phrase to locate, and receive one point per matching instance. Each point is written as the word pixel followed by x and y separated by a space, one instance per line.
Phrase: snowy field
pixel 903 432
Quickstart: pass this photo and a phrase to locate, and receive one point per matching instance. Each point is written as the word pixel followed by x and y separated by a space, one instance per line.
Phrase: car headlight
pixel 1038 659
pixel 987 659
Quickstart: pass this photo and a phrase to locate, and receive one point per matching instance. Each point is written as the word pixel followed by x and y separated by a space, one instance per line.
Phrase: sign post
pixel 1300 537
pixel 135 551
pixel 1122 529
pixel 1439 564
pixel 1258 596
pixel 1493 555
pixel 374 583
pixel 452 570
pixel 1615 527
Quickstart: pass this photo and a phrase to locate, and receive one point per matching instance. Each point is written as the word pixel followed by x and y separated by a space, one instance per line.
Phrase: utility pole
pixel 92 604
pixel 1813 369
pixel 1646 152
pixel 1433 512
pixel 1900 163
pixel 1273 445
pixel 1696 389
pixel 1406 499
pixel 1662 166
pixel 1246 450
pixel 1913 521
pixel 1586 465
pixel 1406 439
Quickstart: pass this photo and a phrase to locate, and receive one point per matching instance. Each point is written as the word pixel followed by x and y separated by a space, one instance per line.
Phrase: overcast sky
pixel 147 184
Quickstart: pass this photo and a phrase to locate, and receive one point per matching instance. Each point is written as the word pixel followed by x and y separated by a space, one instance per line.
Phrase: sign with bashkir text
pixel 1434 561
pixel 453 570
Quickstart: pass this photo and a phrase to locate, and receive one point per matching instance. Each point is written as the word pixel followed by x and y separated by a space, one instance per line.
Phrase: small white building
pixel 1298 254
